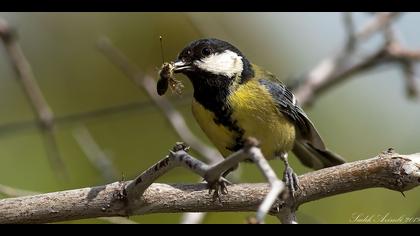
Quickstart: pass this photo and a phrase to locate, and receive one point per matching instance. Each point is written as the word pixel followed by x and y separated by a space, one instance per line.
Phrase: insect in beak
pixel 167 79
pixel 166 75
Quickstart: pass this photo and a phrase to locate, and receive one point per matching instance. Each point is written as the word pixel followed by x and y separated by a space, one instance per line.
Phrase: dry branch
pixel 388 170
pixel 14 192
pixel 348 62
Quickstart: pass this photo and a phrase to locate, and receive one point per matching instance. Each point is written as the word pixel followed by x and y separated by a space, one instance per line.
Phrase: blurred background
pixel 358 119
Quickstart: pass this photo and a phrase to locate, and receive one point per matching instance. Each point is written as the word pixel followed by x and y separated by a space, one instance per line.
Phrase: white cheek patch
pixel 227 63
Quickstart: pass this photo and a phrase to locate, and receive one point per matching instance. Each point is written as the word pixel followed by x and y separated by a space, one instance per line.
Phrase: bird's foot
pixel 218 187
pixel 291 180
pixel 289 177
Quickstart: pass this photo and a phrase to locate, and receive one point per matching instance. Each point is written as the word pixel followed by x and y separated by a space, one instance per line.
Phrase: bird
pixel 234 99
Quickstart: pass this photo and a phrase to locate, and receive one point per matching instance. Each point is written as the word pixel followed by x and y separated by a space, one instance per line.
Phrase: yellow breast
pixel 256 113
pixel 221 136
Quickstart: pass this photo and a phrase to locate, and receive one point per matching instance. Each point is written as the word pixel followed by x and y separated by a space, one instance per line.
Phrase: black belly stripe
pixel 211 91
pixel 223 116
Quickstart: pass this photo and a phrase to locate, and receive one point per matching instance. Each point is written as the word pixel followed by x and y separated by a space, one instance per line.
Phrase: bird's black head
pixel 211 59
pixel 213 66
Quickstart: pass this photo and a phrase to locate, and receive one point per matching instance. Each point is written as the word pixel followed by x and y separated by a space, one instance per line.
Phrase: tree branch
pixel 388 170
pixel 348 62
pixel 14 192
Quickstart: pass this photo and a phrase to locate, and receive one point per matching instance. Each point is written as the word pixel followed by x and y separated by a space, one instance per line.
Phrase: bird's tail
pixel 315 158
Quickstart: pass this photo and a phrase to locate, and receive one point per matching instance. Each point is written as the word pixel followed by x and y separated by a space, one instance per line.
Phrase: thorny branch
pixel 30 87
pixel 388 170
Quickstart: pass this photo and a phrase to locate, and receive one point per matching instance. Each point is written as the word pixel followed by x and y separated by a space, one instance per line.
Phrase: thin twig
pixel 83 116
pixel 277 186
pixel 118 220
pixel 388 170
pixel 350 30
pixel 34 95
pixel 15 192
pixel 95 155
pixel 193 218
pixel 378 23
pixel 411 75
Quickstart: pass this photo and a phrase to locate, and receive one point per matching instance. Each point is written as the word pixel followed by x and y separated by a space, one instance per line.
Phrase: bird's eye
pixel 206 51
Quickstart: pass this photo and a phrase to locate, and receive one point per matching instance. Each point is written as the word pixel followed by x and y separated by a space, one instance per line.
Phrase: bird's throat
pixel 211 91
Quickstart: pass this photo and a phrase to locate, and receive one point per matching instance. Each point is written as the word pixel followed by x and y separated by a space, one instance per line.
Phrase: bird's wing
pixel 309 147
pixel 287 104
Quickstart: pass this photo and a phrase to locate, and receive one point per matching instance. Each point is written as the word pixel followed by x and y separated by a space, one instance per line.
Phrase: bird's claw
pixel 291 180
pixel 218 187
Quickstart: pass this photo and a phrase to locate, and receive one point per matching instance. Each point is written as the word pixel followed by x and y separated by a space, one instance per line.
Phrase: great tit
pixel 235 99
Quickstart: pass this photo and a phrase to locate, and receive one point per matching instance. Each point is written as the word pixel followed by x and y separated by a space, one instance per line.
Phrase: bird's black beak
pixel 181 66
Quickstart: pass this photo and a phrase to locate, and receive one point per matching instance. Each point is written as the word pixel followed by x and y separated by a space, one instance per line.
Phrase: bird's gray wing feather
pixel 309 147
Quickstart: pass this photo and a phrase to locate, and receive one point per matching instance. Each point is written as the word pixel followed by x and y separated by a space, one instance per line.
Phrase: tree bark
pixel 388 170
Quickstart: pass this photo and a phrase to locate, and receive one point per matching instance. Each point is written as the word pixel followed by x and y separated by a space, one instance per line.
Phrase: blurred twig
pixel 82 116
pixel 14 192
pixel 350 29
pixel 347 62
pixel 34 94
pixel 95 155
pixel 118 220
pixel 193 218
pixel 378 23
